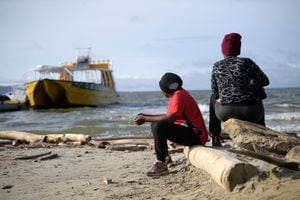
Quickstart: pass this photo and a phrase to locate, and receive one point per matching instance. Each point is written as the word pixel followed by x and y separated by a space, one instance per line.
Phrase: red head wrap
pixel 231 45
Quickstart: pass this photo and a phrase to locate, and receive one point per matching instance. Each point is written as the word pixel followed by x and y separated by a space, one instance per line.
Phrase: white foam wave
pixel 287 105
pixel 204 107
pixel 291 116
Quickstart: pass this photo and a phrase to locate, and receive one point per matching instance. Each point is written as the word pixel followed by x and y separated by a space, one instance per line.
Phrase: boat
pixel 11 106
pixel 85 82
pixel 6 104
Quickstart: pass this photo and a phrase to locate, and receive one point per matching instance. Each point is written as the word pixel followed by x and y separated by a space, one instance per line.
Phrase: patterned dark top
pixel 235 80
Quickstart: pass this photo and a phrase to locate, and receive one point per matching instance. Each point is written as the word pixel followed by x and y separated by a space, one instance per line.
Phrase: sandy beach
pixel 92 173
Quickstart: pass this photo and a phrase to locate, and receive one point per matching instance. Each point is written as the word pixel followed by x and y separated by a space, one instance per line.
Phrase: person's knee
pixel 159 126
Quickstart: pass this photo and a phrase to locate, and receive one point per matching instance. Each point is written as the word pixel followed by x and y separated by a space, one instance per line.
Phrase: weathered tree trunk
pixel 226 170
pixel 258 138
pixel 275 161
pixel 51 138
pixel 68 137
pixel 22 136
pixel 5 142
pixel 127 147
pixel 137 137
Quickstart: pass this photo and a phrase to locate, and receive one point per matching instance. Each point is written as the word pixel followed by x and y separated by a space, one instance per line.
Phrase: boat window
pixel 82 61
pixel 92 76
pixel 69 74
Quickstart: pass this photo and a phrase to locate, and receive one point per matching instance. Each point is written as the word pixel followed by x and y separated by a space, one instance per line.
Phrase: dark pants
pixel 163 131
pixel 217 112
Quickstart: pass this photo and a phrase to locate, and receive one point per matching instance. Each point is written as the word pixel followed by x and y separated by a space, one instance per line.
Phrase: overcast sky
pixel 146 38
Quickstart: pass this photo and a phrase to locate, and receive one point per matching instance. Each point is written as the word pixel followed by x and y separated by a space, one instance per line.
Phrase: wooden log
pixel 118 147
pixel 32 138
pixel 48 157
pixel 22 136
pixel 122 141
pixel 32 156
pixel 121 138
pixel 176 150
pixel 4 142
pixel 51 138
pixel 226 170
pixel 131 141
pixel 275 161
pixel 68 137
pixel 258 138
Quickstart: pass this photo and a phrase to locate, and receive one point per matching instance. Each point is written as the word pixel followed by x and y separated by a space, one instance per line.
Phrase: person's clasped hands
pixel 139 119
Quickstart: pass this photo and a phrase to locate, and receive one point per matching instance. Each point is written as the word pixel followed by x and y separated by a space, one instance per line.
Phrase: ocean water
pixel 282 108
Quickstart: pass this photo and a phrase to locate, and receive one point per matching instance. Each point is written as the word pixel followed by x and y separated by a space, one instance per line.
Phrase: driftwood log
pixel 68 137
pixel 32 138
pixel 127 147
pixel 32 156
pixel 48 157
pixel 22 136
pixel 121 138
pixel 39 157
pixel 226 170
pixel 5 142
pixel 124 143
pixel 275 161
pixel 258 138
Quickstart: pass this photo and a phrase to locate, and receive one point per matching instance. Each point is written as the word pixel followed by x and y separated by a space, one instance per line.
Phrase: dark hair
pixel 170 82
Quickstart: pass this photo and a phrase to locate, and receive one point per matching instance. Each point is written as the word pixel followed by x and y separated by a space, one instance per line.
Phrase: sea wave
pixel 204 108
pixel 281 127
pixel 287 105
pixel 290 116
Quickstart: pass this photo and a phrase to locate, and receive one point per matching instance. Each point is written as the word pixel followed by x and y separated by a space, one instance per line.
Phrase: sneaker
pixel 216 141
pixel 169 160
pixel 158 168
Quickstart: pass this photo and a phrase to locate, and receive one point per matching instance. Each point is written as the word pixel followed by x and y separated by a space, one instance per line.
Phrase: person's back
pixel 188 113
pixel 235 80
pixel 235 83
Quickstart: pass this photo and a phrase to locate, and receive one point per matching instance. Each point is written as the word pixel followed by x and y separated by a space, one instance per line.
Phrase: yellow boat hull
pixel 49 93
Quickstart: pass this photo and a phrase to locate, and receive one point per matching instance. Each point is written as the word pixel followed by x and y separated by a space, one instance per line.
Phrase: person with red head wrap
pixel 231 45
pixel 235 83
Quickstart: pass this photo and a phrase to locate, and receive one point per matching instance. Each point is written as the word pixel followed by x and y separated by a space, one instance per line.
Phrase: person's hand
pixel 139 119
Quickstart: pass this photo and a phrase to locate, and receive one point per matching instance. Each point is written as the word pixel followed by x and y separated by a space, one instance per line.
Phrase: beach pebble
pixel 107 180
pixel 7 187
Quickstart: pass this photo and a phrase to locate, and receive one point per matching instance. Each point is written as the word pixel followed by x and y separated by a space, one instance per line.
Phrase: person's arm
pixel 261 78
pixel 142 118
pixel 214 86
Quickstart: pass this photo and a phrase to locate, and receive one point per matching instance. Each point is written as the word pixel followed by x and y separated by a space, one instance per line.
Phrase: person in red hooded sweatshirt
pixel 182 123
pixel 235 86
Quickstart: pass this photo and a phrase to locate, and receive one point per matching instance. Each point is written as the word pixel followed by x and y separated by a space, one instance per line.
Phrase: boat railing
pixel 67 74
pixel 105 64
